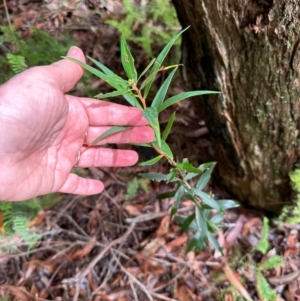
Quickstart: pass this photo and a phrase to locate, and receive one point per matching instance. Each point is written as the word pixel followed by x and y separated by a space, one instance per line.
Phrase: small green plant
pixel 37 49
pixel 263 287
pixel 134 185
pixel 135 90
pixel 15 217
pixel 291 213
pixel 147 25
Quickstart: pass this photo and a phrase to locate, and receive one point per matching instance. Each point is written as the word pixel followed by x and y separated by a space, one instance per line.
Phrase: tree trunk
pixel 250 51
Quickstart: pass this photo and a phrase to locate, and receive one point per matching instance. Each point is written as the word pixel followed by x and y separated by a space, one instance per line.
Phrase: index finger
pixel 106 113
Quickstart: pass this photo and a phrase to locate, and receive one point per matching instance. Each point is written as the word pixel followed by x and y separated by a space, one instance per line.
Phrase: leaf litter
pixel 107 247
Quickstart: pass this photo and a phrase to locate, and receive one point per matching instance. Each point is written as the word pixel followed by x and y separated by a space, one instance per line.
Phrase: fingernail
pixel 73 51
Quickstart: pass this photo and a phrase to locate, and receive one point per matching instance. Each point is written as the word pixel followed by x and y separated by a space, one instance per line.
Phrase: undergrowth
pixel 150 26
pixel 38 48
pixel 291 213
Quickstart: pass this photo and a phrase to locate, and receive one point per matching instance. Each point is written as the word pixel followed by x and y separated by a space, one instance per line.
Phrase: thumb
pixel 68 73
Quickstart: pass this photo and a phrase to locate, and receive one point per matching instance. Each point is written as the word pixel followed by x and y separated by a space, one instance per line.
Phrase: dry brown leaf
pixel 251 222
pixel 101 296
pixel 236 231
pixel 134 210
pixel 32 265
pixel 183 293
pixel 292 245
pixel 20 293
pixel 163 227
pixel 233 279
pixel 84 251
pixel 154 245
pixel 38 220
pixel 177 242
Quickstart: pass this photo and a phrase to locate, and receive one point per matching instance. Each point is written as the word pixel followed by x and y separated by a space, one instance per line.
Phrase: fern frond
pixel 263 243
pixel 133 187
pixel 295 178
pixel 16 62
pixel 11 35
pixel 264 289
pixel 271 263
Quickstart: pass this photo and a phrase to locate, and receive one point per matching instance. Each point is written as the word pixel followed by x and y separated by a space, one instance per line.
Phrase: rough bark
pixel 250 51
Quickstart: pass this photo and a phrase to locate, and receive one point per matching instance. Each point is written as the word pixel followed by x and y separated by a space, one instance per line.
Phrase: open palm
pixel 42 131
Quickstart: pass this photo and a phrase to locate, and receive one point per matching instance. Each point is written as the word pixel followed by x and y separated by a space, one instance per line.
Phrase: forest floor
pixel 121 245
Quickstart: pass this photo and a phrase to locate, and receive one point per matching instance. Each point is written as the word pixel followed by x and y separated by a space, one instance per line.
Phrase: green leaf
pixel 112 130
pixel 161 57
pixel 161 93
pixel 272 263
pixel 132 100
pixel 189 167
pixel 190 176
pixel 176 98
pixel 177 197
pixel 166 195
pixel 127 60
pixel 200 220
pixel 207 200
pixel 206 165
pixel 164 147
pixel 216 219
pixel 168 127
pixel 264 289
pixel 151 161
pixel 204 179
pixel 186 222
pixel 151 115
pixel 148 80
pixel 154 176
pixel 172 175
pixel 147 68
pixel 263 244
pixel 106 70
pixel 197 243
pixel 112 79
pixel 228 204
pixel 112 94
pixel 214 242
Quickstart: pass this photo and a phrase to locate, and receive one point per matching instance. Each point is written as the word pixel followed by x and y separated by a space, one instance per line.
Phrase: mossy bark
pixel 250 51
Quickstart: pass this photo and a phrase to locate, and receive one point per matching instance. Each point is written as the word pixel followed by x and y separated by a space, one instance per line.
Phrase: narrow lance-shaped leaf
pixel 189 167
pixel 228 204
pixel 204 179
pixel 154 176
pixel 207 200
pixel 112 130
pixel 168 127
pixel 187 221
pixel 106 70
pixel 147 68
pixel 170 101
pixel 161 93
pixel 164 147
pixel 152 116
pixel 200 220
pixel 197 243
pixel 161 57
pixel 112 94
pixel 177 197
pixel 127 60
pixel 214 242
pixel 132 100
pixel 112 79
pixel 151 161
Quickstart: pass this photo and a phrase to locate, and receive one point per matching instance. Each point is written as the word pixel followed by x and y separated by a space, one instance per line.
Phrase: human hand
pixel 42 131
